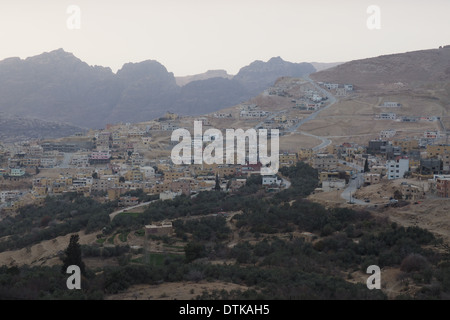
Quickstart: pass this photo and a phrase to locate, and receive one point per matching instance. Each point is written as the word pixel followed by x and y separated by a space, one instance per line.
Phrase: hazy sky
pixel 192 36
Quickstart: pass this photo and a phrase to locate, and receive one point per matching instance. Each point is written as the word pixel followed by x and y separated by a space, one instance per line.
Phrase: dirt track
pixel 43 253
pixel 173 290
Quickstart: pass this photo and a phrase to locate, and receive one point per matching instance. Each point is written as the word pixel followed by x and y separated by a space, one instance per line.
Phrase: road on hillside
pixel 351 188
pixel 293 130
pixel 331 100
pixel 115 213
pixel 353 184
pixel 325 141
pixel 286 182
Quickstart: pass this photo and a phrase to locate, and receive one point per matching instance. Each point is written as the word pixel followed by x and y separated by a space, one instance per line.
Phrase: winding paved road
pixel 331 100
pixel 325 141
pixel 354 184
pixel 115 213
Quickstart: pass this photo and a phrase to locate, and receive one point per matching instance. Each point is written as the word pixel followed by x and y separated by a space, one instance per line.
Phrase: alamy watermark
pixel 74 281
pixel 213 153
pixel 73 22
pixel 374 281
pixel 374 20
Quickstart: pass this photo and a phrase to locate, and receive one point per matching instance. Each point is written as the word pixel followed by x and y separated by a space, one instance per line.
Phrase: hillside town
pixel 109 163
pixel 224 157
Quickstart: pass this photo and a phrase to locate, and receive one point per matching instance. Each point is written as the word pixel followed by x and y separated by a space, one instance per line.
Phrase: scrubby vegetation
pixel 57 217
pixel 281 246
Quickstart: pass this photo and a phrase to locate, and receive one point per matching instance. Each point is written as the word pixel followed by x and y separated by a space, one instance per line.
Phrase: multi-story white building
pixel 396 169
pixel 348 87
pixel 270 180
pixel 316 97
pixel 149 172
pixel 17 172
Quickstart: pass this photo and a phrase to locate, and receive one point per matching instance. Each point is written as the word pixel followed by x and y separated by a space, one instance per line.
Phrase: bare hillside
pixel 410 69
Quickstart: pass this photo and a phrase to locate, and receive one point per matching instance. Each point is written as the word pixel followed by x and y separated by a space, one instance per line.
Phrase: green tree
pixel 366 166
pixel 73 255
pixel 217 186
pixel 121 179
pixel 194 250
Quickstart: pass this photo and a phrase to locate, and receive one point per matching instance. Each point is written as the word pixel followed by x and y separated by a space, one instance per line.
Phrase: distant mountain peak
pixel 60 51
pixel 58 86
pixel 276 59
pixel 146 66
pixel 148 62
pixel 259 75
pixel 219 73
pixel 145 70
pixel 55 56
pixel 57 53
